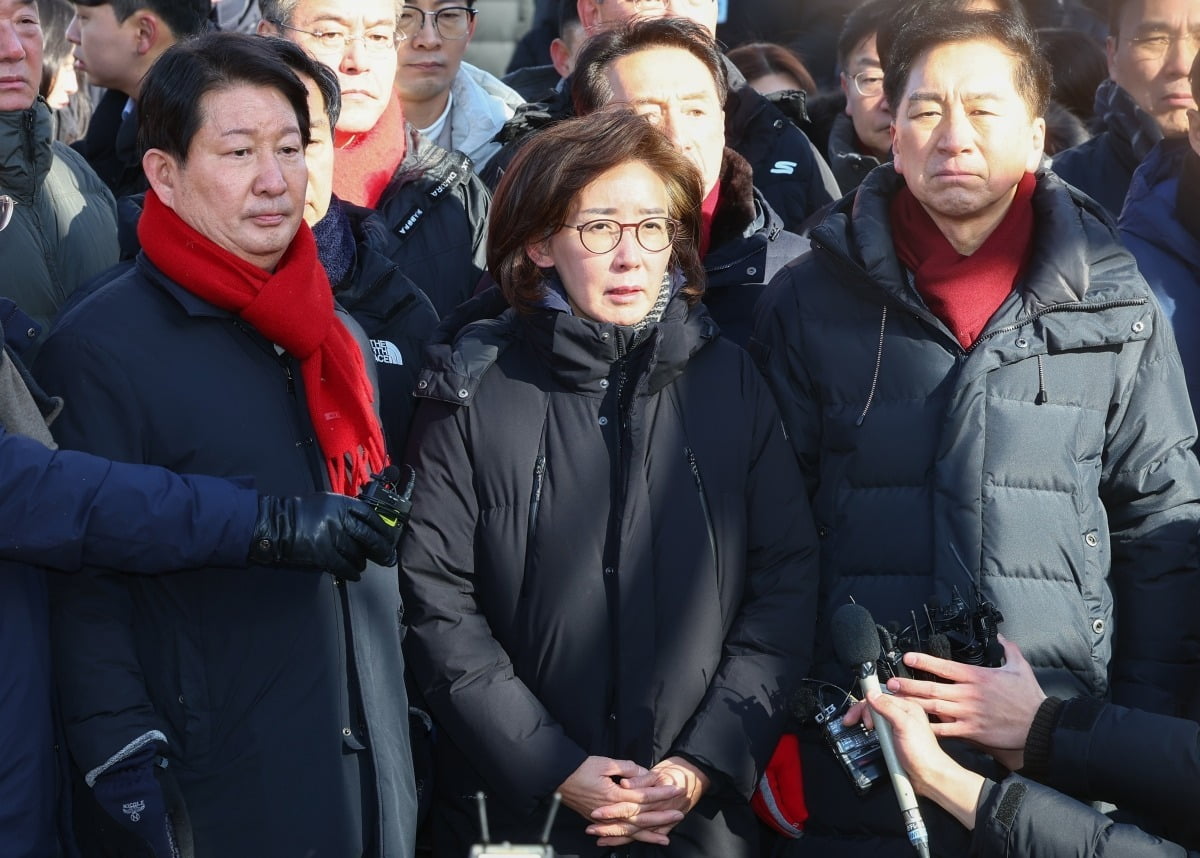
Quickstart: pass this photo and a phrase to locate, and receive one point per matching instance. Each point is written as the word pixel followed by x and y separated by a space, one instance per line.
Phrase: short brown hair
pixel 533 199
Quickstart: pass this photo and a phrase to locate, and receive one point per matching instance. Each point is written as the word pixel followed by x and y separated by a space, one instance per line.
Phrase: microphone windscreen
pixel 939 646
pixel 855 637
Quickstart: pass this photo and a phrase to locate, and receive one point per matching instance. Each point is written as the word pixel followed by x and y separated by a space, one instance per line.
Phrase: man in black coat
pixel 1151 45
pixel 985 397
pixel 273 698
pixel 116 42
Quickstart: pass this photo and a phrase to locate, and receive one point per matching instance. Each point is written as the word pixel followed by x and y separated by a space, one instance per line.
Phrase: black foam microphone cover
pixel 855 637
pixel 939 646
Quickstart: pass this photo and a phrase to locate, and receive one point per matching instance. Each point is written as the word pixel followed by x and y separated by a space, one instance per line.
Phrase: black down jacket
pixel 608 556
pixel 436 212
pixel 1048 467
pixel 1145 763
pixel 278 692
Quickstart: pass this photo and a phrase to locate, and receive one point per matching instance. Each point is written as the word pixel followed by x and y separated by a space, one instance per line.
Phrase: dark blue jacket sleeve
pixel 64 509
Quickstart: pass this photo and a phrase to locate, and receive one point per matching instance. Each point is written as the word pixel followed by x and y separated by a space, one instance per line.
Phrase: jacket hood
pixel 482 104
pixel 25 151
pixel 578 352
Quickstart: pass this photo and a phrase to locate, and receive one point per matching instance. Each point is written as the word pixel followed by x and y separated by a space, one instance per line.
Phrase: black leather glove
pixel 328 531
pixel 130 792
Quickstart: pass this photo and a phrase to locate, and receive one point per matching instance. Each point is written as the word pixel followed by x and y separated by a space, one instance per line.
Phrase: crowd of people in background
pixel 393 424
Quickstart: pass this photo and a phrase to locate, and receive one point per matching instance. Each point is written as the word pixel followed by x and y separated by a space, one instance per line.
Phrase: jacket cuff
pixel 1039 742
pixel 123 754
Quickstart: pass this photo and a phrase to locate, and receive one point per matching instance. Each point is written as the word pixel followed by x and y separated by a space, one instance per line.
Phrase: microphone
pixel 856 642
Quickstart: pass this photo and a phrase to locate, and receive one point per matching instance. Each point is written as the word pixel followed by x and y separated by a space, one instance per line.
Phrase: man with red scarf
pixel 213 710
pixel 986 399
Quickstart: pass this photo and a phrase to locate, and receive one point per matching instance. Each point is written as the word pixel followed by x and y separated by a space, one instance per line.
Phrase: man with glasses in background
pixel 860 137
pixel 1151 45
pixel 434 206
pixel 458 106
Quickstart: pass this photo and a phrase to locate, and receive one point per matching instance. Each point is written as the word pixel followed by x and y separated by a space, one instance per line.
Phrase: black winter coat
pixel 1049 466
pixel 1145 763
pixel 436 212
pixel 607 557
pixel 748 246
pixel 278 692
pixel 395 314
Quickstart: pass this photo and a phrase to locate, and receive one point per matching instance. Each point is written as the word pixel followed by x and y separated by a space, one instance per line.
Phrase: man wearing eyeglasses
pixel 1151 45
pixel 62 228
pixel 116 42
pixel 434 206
pixel 860 137
pixel 458 106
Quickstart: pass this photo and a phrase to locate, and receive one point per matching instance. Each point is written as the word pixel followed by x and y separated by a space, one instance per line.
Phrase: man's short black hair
pixel 184 17
pixel 590 89
pixel 172 91
pixel 865 20
pixel 1031 72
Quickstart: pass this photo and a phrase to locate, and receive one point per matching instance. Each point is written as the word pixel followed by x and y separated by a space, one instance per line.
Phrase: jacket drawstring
pixel 878 363
pixel 1042 396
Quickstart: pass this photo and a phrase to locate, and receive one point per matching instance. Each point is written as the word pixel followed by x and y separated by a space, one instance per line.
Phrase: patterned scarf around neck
pixel 293 308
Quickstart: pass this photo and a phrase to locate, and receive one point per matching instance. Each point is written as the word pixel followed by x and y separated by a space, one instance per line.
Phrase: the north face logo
pixel 134 810
pixel 386 352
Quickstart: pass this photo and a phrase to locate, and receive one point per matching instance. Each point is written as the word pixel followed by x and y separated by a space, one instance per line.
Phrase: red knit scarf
pixel 363 167
pixel 964 291
pixel 293 308
pixel 708 211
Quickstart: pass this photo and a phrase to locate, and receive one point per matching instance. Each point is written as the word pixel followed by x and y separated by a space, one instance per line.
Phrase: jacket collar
pixel 1132 131
pixel 1077 255
pixel 25 150
pixel 428 167
pixel 577 352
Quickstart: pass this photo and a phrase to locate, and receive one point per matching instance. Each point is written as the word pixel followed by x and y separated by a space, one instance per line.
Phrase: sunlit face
pixel 870 114
pixel 365 76
pixel 622 285
pixel 105 48
pixel 318 155
pixel 244 180
pixel 428 61
pixel 963 137
pixel 677 93
pixel 1158 84
pixel 20 54
pixel 64 85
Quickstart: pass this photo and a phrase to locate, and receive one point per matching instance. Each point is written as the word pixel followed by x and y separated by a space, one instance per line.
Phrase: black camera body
pixel 955 631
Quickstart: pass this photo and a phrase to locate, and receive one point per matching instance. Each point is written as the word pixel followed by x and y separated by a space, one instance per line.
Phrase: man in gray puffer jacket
pixel 985 396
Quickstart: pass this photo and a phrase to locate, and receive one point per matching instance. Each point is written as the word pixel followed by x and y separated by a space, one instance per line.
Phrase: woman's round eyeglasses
pixel 600 236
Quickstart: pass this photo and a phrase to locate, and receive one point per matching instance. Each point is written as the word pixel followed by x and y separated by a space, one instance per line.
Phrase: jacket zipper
pixel 704 508
pixel 535 501
pixel 1056 308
